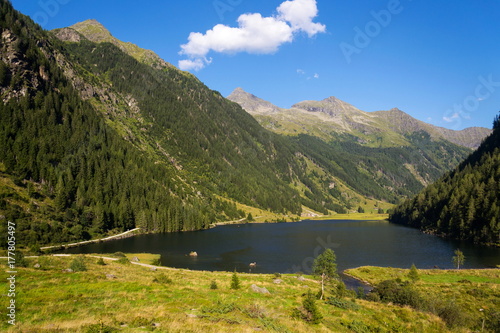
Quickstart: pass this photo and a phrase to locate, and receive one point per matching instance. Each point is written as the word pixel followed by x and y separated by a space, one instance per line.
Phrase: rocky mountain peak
pixel 94 31
pixel 97 33
pixel 252 103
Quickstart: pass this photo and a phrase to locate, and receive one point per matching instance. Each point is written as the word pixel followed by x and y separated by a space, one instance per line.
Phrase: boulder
pixel 277 281
pixel 193 254
pixel 110 276
pixel 135 259
pixel 259 290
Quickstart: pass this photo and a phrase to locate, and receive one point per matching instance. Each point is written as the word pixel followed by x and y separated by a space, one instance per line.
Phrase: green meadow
pixel 116 295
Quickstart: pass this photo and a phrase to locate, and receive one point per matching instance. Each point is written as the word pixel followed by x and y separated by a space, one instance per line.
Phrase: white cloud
pixel 316 76
pixel 300 71
pixel 300 14
pixel 188 65
pixel 254 34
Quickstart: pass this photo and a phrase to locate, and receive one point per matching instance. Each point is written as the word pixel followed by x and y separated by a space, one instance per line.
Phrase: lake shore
pixel 125 234
pixel 335 217
pixel 135 231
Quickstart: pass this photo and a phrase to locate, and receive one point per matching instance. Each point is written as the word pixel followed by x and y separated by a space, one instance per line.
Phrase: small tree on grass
pixel 101 262
pixel 413 273
pixel 78 265
pixel 213 285
pixel 325 266
pixel 458 259
pixel 235 281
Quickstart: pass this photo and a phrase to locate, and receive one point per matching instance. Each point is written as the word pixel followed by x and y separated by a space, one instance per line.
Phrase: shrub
pixel 78 265
pixel 163 279
pixel 277 275
pixel 343 304
pixel 101 262
pixel 219 308
pixel 20 260
pixel 99 328
pixel 357 326
pixel 360 293
pixel 213 285
pixel 451 313
pixel 120 255
pixel 397 292
pixel 340 290
pixel 123 261
pixel 373 297
pixel 255 311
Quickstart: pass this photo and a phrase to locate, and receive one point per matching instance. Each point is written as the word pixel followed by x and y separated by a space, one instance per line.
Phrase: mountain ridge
pixel 345 118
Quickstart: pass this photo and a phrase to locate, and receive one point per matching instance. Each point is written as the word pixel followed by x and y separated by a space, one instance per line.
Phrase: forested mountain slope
pixel 96 137
pixel 66 174
pixel 465 203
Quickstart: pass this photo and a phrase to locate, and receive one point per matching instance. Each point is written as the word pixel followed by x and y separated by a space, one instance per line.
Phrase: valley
pixel 100 138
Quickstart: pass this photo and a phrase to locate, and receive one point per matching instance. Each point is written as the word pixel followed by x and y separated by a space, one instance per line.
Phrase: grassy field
pixel 474 292
pixel 124 297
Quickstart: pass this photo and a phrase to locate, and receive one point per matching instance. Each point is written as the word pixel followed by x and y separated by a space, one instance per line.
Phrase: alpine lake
pixel 292 247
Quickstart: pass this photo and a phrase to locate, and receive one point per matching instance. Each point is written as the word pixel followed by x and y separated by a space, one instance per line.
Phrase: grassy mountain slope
pixel 465 203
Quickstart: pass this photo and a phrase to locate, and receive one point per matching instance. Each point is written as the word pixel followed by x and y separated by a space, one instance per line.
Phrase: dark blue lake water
pixel 291 247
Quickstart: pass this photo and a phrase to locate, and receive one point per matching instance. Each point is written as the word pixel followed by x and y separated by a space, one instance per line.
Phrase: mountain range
pixel 100 136
pixel 332 116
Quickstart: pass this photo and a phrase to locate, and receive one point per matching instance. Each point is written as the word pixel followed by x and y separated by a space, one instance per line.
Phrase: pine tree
pixel 235 281
pixel 312 312
pixel 413 273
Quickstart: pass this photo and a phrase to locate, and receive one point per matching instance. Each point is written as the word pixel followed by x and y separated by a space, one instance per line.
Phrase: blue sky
pixel 436 60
